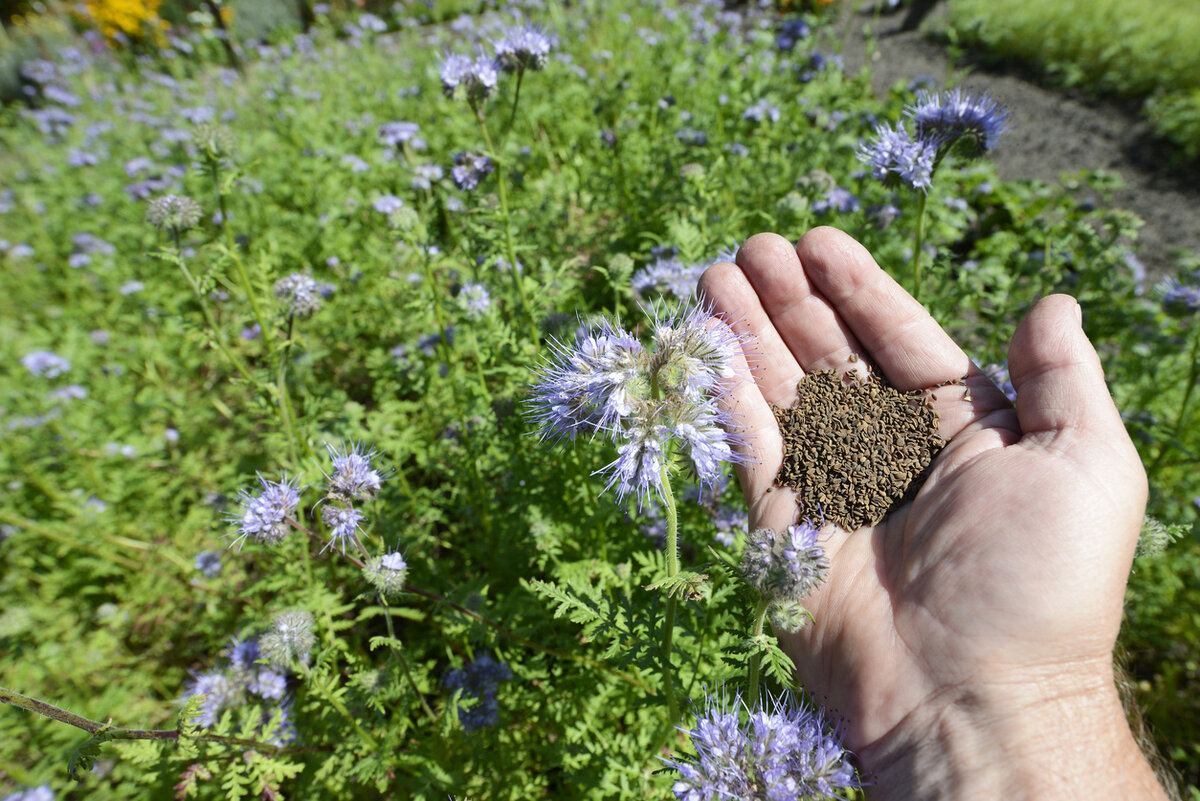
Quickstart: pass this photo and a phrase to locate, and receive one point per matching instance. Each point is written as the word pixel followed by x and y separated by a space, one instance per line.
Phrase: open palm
pixel 1008 567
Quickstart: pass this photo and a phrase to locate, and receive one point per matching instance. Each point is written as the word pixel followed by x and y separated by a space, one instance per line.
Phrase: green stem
pixel 918 241
pixel 1181 415
pixel 483 388
pixel 512 114
pixel 760 616
pixel 387 615
pixel 231 246
pixel 337 704
pixel 118 733
pixel 285 402
pixel 218 337
pixel 672 517
pixel 506 217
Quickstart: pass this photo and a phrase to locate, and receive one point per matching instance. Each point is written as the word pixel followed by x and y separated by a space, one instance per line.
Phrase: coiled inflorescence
pixel 646 400
pixel 778 750
pixel 266 516
pixel 785 565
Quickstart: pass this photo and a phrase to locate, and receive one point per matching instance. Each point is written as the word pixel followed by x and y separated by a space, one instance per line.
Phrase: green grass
pixel 1143 50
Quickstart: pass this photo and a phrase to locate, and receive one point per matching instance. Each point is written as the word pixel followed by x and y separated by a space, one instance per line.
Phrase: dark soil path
pixel 1051 133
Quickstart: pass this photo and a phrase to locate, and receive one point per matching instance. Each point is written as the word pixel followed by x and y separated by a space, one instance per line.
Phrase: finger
pixel 811 329
pixel 733 298
pixel 894 330
pixel 1057 374
pixel 774 370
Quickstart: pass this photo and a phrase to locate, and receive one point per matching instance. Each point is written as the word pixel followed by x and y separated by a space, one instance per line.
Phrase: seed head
pixel 387 573
pixel 290 639
pixel 174 213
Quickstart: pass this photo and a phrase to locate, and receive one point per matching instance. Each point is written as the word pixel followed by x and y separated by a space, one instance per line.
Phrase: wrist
pixel 1054 739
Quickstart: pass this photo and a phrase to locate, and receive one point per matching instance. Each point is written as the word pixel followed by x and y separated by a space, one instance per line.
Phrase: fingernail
pixel 1078 313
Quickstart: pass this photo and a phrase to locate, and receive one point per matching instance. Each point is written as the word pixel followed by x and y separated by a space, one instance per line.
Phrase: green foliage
pixel 513 552
pixel 1139 49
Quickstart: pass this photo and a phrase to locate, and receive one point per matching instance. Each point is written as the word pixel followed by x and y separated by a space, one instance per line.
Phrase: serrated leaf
pixel 685 585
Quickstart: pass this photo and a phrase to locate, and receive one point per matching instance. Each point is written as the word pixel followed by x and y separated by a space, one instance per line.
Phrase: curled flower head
pixel 976 120
pixel 265 515
pixel 522 49
pixel 290 639
pixel 387 573
pixel 475 299
pixel 469 169
pixel 354 475
pixel 301 293
pixel 479 680
pixel 646 400
pixel 777 749
pixel 220 690
pixel 45 363
pixel 1179 298
pixel 343 522
pixel 173 213
pixel 894 154
pixel 785 565
pixel 474 77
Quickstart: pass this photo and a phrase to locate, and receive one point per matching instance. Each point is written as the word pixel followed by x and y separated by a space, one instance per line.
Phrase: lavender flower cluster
pixel 785 565
pixel 247 678
pixel 940 121
pixel 479 681
pixel 777 750
pixel 476 76
pixel 646 400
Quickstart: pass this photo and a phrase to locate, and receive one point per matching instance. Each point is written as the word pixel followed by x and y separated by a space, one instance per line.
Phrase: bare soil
pixel 1051 133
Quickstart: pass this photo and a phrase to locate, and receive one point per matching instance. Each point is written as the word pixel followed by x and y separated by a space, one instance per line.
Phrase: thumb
pixel 1057 374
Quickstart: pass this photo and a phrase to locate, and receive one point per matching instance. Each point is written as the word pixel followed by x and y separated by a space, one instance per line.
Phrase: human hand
pixel 973 627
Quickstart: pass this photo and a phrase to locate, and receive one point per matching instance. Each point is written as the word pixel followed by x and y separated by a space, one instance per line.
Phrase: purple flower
pixel 354 477
pixel 837 199
pixel 475 298
pixel 264 516
pixel 208 563
pixel 668 276
pixel 301 293
pixel 268 683
pixel 762 111
pixel 998 373
pixel 777 749
pixel 479 680
pixel 387 204
pixel 220 692
pixel 790 32
pixel 894 152
pixel 45 364
pixel 1178 297
pixel 477 76
pixel 424 175
pixel 644 400
pixel 522 49
pixel 953 116
pixel 785 565
pixel 395 134
pixel 469 169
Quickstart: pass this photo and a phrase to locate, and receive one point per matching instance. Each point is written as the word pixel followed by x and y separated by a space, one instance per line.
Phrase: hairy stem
pixel 119 733
pixel 506 219
pixel 672 516
pixel 760 616
pixel 918 241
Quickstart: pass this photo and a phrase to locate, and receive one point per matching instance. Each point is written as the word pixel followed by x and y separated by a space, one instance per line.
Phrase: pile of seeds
pixel 854 449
